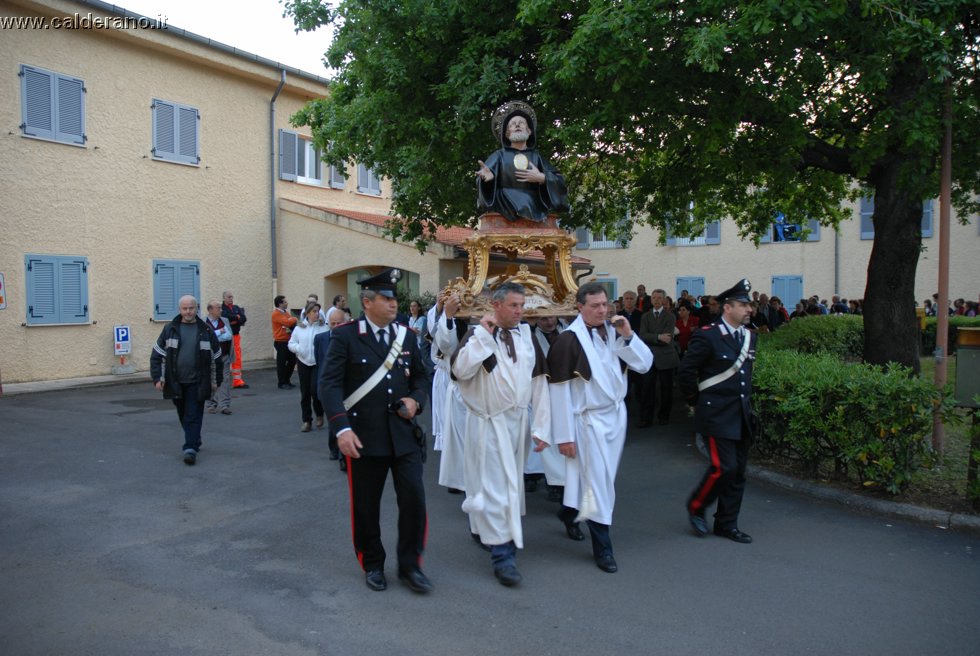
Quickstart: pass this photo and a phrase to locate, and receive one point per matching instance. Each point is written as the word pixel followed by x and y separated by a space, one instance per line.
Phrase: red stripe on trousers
pixel 350 488
pixel 698 502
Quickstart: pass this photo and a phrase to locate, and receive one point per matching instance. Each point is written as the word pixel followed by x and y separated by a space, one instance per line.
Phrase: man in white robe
pixel 588 365
pixel 500 372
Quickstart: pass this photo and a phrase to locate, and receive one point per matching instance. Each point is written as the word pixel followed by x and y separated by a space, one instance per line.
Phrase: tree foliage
pixel 676 113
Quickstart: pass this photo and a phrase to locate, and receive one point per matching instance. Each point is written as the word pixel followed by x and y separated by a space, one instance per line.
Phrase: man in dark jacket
pixel 186 366
pixel 715 375
pixel 371 392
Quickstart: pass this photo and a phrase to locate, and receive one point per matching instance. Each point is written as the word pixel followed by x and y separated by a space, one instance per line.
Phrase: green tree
pixel 676 112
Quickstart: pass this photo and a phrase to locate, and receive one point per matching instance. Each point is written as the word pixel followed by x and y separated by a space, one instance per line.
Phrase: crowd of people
pixel 513 401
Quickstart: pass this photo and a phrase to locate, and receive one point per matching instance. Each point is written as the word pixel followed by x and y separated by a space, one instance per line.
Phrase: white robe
pixel 549 462
pixel 592 414
pixel 452 411
pixel 440 377
pixel 497 437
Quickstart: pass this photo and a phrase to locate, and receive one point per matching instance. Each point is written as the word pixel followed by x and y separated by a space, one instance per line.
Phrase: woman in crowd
pixel 686 323
pixel 798 312
pixel 301 343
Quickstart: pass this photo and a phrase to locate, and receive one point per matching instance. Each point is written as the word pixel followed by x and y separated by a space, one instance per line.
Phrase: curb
pixel 938 518
pixel 34 387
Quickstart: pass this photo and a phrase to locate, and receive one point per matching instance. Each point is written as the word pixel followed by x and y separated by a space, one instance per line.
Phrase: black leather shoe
pixel 572 529
pixel 507 575
pixel 343 463
pixel 698 524
pixel 415 580
pixel 334 455
pixel 375 579
pixel 607 564
pixel 734 534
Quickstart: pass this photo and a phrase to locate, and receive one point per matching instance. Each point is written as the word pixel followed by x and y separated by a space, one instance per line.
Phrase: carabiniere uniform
pixel 389 441
pixel 723 413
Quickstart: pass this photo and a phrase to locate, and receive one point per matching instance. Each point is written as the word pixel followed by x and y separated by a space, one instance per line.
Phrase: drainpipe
pixel 272 176
pixel 836 261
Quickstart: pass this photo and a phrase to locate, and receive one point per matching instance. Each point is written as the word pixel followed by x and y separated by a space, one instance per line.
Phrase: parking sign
pixel 122 341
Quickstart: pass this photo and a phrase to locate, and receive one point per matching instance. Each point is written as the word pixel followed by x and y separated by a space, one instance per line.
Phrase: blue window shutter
pixel 186 130
pixel 73 290
pixel 164 129
pixel 171 280
pixel 287 154
pixel 42 276
pixel 582 237
pixel 70 101
pixel 164 290
pixel 37 102
pixel 337 178
pixel 189 280
pixel 766 237
pixel 927 218
pixel 671 239
pixel 867 217
pixel 814 227
pixel 57 289
pixel 712 233
pixel 317 164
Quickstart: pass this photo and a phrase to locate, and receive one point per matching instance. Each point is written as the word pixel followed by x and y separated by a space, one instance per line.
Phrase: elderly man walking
pixel 186 366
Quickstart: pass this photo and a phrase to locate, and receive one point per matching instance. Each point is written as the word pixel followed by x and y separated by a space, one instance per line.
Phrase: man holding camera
pixel 374 385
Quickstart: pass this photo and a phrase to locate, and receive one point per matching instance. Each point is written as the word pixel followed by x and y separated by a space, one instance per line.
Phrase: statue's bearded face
pixel 518 129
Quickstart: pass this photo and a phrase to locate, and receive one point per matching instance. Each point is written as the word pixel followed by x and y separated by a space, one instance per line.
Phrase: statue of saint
pixel 516 181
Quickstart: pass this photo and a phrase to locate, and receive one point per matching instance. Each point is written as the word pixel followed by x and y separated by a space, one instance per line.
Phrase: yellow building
pixel 142 162
pixel 824 263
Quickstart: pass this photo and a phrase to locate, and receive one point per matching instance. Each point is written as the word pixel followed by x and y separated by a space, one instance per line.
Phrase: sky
pixel 256 26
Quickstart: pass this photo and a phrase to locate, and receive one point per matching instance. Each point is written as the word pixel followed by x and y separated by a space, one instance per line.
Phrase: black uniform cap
pixel 384 283
pixel 738 292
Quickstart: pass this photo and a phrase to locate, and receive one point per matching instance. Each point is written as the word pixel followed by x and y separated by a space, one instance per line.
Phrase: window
pixel 867 209
pixel 367 181
pixel 338 178
pixel 171 280
pixel 782 230
pixel 710 235
pixel 693 284
pixel 52 106
pixel 789 289
pixel 300 160
pixel 57 289
pixel 175 132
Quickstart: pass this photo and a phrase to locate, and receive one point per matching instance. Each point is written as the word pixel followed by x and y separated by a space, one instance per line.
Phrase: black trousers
pixel 285 362
pixel 664 379
pixel 724 480
pixel 367 476
pixel 307 389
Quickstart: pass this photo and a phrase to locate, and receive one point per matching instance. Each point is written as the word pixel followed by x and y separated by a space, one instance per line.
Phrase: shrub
pixel 870 422
pixel 840 335
pixel 955 323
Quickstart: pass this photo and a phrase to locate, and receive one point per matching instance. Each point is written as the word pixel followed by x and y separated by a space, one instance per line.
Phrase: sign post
pixel 123 347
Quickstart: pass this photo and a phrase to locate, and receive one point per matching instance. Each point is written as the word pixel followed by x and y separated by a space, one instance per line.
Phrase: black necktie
pixel 383 336
pixel 508 341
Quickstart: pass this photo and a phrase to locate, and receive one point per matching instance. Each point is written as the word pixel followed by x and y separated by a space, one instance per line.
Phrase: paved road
pixel 109 545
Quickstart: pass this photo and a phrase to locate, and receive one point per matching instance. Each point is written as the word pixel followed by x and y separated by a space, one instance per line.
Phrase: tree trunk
pixel 889 298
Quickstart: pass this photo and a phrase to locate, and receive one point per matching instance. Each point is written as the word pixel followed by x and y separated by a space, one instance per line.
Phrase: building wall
pixel 322 245
pixel 111 202
pixel 645 262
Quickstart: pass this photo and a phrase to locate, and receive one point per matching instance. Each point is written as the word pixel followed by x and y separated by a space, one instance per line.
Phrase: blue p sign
pixel 122 340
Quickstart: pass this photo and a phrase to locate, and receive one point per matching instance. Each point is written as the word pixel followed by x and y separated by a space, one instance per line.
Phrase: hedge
pixel 841 335
pixel 871 423
pixel 955 323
